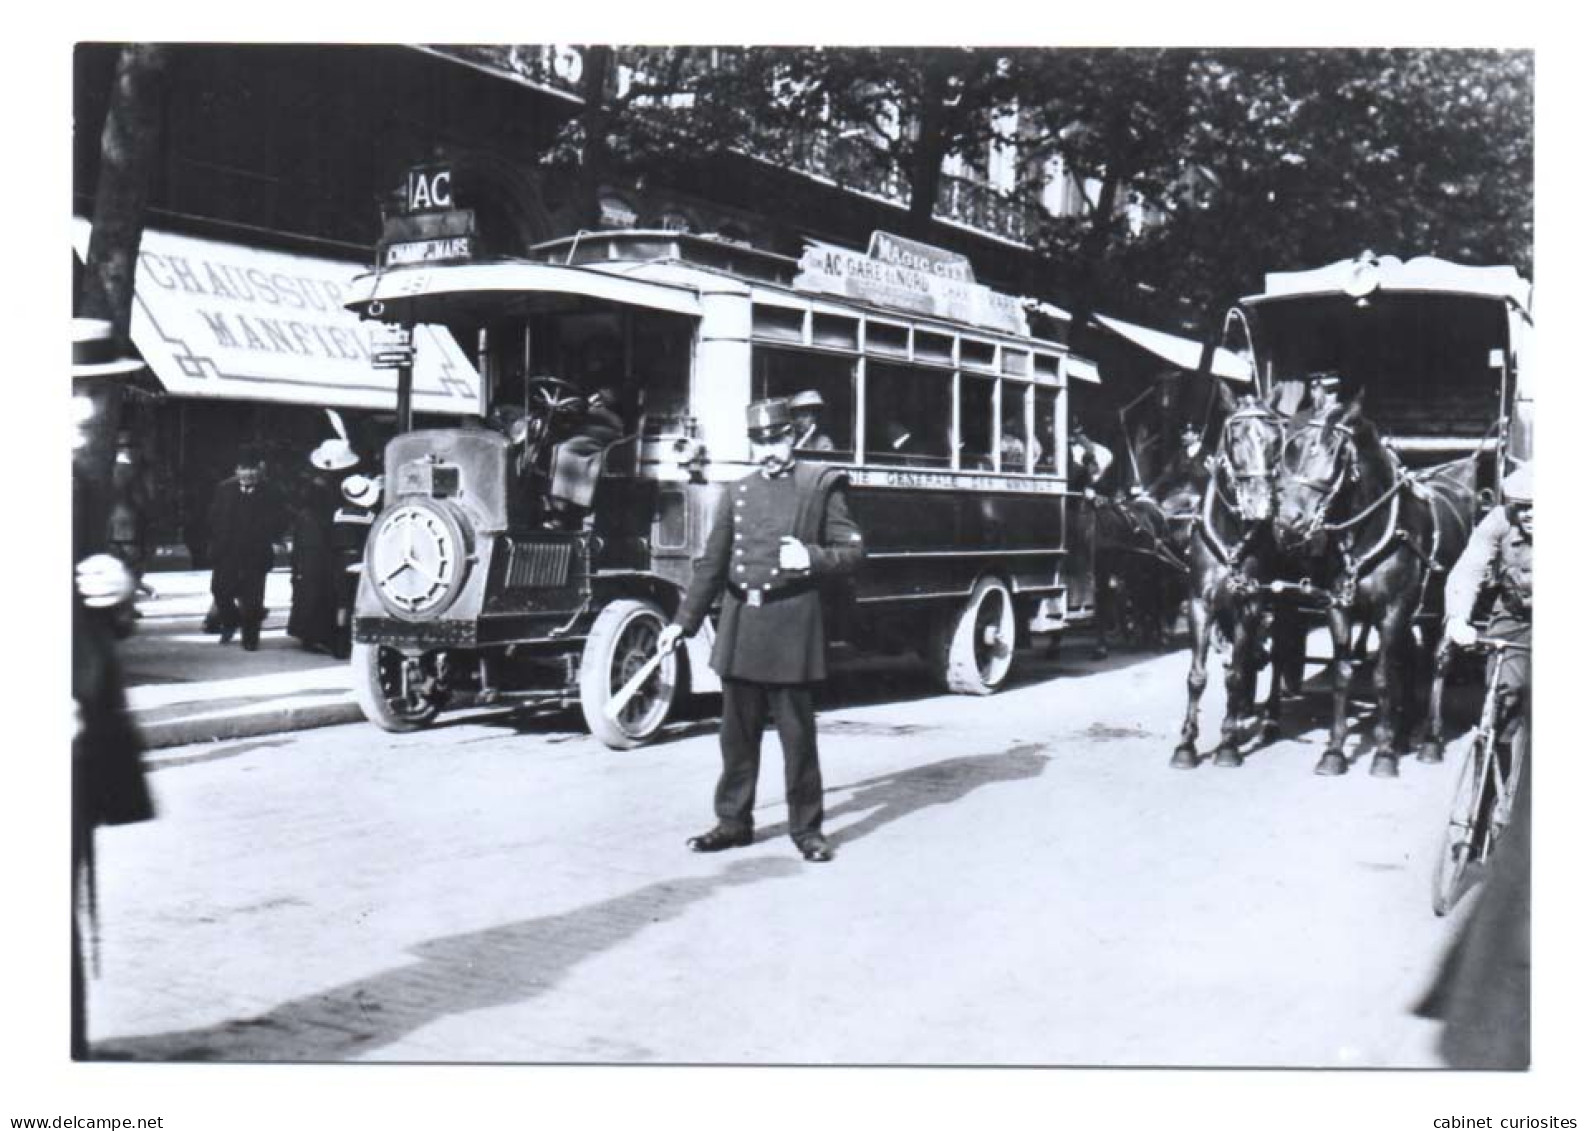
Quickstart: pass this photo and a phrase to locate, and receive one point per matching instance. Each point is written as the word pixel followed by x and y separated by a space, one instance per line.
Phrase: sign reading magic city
pixel 907 275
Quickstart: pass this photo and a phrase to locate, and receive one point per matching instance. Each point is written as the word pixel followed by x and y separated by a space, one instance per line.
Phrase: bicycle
pixel 1485 791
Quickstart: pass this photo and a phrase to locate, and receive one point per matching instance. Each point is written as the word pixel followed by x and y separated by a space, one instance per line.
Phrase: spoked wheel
pixel 622 639
pixel 397 693
pixel 1468 833
pixel 975 647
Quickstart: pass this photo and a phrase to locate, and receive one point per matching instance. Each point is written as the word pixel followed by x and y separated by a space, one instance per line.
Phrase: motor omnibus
pixel 525 554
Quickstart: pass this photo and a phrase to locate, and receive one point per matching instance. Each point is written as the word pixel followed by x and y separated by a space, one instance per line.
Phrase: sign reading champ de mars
pixel 907 275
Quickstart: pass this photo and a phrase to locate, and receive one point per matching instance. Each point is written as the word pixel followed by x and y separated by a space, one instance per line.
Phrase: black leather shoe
pixel 227 634
pixel 815 848
pixel 719 838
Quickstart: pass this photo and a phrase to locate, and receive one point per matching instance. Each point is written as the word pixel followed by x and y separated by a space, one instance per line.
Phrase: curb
pixel 248 724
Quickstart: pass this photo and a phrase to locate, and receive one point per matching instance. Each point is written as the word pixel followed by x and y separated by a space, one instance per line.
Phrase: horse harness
pixel 1394 536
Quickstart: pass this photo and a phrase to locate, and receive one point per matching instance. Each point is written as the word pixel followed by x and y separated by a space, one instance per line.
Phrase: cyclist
pixel 1500 554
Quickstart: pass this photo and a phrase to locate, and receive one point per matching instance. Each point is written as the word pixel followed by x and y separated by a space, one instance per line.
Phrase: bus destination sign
pixel 907 275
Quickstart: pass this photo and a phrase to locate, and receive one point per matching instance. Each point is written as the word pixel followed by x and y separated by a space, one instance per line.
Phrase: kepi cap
pixel 768 419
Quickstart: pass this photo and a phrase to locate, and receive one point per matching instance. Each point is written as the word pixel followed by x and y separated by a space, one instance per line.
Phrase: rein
pixel 1393 535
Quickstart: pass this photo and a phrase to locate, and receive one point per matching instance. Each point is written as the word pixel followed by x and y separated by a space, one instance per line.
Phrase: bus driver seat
pixel 578 461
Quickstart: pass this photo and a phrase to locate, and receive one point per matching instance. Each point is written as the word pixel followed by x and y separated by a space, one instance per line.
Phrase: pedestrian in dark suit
pixel 246 517
pixel 777 533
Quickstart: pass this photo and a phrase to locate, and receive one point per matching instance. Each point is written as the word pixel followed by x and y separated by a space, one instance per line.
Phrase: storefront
pixel 252 346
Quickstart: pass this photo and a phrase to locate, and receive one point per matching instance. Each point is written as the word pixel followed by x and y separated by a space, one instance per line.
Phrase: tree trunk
pixel 1094 246
pixel 594 121
pixel 129 148
pixel 926 157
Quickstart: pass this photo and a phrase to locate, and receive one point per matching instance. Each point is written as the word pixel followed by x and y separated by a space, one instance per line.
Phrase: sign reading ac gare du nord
pixel 220 319
pixel 907 275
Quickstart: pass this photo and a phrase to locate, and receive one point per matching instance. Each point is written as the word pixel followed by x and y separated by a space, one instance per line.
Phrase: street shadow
pixel 505 965
pixel 893 797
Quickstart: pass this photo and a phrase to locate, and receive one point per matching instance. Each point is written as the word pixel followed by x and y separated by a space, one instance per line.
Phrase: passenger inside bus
pixel 908 415
pixel 820 392
pixel 806 406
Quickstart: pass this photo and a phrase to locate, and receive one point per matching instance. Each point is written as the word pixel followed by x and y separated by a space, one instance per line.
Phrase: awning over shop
pixel 1079 369
pixel 1183 353
pixel 218 319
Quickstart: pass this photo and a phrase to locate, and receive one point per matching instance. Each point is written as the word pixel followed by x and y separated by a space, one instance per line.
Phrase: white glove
pixel 104 581
pixel 792 554
pixel 669 637
pixel 1461 632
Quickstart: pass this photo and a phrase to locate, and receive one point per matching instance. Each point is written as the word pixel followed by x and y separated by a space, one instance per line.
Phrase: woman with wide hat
pixel 316 565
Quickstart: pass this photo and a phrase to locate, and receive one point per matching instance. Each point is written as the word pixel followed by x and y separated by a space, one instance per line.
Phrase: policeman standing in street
pixel 777 533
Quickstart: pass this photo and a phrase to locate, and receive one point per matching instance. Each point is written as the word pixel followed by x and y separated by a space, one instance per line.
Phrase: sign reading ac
pixel 429 189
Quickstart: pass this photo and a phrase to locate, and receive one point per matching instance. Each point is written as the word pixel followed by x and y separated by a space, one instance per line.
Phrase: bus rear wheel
pixel 975 644
pixel 621 640
pixel 395 692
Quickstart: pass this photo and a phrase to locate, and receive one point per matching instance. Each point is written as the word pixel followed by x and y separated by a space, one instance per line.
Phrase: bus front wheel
pixel 621 640
pixel 396 693
pixel 975 644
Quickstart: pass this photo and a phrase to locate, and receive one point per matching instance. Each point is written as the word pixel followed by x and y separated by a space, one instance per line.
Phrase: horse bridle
pixel 1328 488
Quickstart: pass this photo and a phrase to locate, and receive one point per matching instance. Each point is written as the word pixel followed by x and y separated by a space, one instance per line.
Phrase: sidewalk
pixel 184 686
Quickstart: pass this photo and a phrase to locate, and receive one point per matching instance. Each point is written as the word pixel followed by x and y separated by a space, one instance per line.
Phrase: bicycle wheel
pixel 1460 845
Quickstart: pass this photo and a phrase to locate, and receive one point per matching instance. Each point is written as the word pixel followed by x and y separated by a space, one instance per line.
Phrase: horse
pixel 1375 536
pixel 1232 555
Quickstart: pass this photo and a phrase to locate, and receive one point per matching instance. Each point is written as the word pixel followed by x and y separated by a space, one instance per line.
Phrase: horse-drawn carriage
pixel 1392 399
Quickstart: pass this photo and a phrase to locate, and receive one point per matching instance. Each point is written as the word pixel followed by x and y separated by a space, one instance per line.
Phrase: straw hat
pixel 362 490
pixel 95 352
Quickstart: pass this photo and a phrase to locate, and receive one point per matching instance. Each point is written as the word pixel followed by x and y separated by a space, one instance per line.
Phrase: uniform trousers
pixel 745 707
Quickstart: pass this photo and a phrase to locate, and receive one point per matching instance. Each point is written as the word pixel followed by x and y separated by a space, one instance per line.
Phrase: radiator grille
pixel 538 565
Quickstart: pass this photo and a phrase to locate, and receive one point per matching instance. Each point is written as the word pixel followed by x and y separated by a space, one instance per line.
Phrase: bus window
pixel 975 423
pixel 1047 429
pixel 660 348
pixel 908 415
pixel 1014 440
pixel 789 373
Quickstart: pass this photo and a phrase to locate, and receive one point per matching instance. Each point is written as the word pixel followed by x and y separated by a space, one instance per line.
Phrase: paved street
pixel 1020 879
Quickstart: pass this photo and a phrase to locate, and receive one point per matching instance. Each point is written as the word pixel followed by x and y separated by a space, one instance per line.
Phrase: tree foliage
pixel 1255 161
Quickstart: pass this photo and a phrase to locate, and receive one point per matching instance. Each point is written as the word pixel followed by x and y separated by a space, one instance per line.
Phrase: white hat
pixel 1518 486
pixel 95 352
pixel 334 455
pixel 362 490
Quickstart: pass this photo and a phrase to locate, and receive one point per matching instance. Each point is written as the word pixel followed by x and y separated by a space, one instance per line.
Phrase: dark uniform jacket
pixel 770 630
